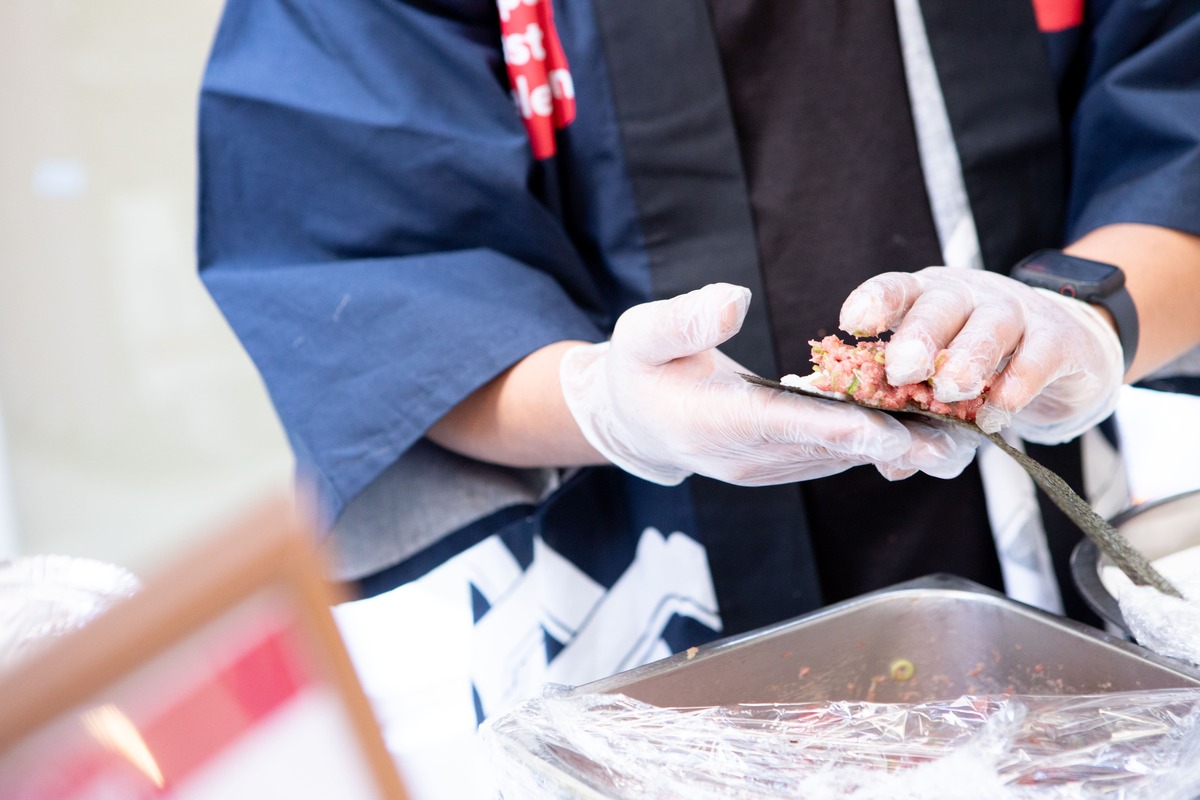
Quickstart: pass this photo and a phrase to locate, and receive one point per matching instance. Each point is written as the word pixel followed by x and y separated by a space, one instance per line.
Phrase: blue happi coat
pixel 382 237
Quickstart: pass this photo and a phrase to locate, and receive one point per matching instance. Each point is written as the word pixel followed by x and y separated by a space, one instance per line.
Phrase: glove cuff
pixel 583 375
pixel 1113 376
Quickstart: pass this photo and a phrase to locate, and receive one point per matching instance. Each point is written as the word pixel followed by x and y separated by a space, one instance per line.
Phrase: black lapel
pixel 681 149
pixel 1003 110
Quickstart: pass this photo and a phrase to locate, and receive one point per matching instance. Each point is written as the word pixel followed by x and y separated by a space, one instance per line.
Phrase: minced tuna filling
pixel 859 370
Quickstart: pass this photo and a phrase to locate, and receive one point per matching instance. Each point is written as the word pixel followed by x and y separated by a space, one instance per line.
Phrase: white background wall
pixel 133 420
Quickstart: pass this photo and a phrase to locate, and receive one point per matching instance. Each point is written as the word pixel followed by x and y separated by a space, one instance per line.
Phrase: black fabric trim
pixel 690 190
pixel 1009 137
pixel 681 151
pixel 760 550
pixel 1183 384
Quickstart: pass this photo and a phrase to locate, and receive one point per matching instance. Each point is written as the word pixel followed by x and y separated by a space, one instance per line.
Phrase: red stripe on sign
pixel 214 715
pixel 1057 15
pixel 207 717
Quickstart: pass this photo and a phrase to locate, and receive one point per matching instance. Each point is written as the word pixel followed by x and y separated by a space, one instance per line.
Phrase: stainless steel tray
pixel 957 636
pixel 960 637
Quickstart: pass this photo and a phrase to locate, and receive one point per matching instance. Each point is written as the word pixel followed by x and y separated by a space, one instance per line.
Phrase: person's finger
pixel 1027 373
pixel 940 449
pixel 894 473
pixel 658 332
pixel 969 362
pixel 932 322
pixel 833 427
pixel 771 463
pixel 879 303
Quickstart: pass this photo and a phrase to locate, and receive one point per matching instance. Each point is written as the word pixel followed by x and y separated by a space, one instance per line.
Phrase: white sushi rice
pixel 1167 625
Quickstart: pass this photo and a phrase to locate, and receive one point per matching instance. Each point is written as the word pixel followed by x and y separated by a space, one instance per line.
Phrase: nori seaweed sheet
pixel 1129 559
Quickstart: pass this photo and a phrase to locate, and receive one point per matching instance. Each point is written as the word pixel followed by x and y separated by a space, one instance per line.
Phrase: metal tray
pixel 959 638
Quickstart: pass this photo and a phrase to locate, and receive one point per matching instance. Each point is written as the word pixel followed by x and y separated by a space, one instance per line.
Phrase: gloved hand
pixel 1060 362
pixel 659 401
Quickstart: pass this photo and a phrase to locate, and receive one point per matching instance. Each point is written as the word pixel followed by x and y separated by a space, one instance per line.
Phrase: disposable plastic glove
pixel 1060 363
pixel 659 401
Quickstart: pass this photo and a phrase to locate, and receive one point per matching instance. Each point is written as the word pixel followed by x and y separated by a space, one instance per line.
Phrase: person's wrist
pixel 583 376
pixel 1095 321
pixel 1100 285
pixel 1071 409
pixel 1106 314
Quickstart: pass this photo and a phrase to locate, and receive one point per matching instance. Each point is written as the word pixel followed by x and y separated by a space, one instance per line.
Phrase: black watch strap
pixel 1087 280
pixel 1120 305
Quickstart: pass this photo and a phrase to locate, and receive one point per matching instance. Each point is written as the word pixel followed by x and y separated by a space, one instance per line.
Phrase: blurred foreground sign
pixel 224 677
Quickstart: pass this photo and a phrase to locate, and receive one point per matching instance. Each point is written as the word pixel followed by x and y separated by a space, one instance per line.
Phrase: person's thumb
pixel 658 332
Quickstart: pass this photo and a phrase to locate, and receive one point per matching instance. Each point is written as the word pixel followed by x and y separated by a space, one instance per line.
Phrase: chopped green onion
pixel 854 384
pixel 902 669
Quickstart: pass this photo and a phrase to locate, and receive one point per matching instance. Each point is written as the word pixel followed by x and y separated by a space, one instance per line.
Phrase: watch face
pixel 1069 275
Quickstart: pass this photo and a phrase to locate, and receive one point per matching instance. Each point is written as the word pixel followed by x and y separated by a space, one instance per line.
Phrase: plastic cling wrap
pixel 1167 625
pixel 43 597
pixel 1127 745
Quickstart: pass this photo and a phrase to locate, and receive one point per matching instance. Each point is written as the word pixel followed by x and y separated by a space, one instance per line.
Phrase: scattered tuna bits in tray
pixel 859 370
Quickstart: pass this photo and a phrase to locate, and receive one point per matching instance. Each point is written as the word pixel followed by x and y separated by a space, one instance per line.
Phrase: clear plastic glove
pixel 1060 363
pixel 661 402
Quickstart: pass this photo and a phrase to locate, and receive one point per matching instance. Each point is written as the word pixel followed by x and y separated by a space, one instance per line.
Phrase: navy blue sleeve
pixel 1135 133
pixel 367 223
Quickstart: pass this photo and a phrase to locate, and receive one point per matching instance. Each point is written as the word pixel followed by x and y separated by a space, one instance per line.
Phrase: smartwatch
pixel 1087 280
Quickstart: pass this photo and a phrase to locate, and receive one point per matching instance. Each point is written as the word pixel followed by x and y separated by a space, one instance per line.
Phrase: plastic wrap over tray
pixel 46 596
pixel 1143 744
pixel 936 687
